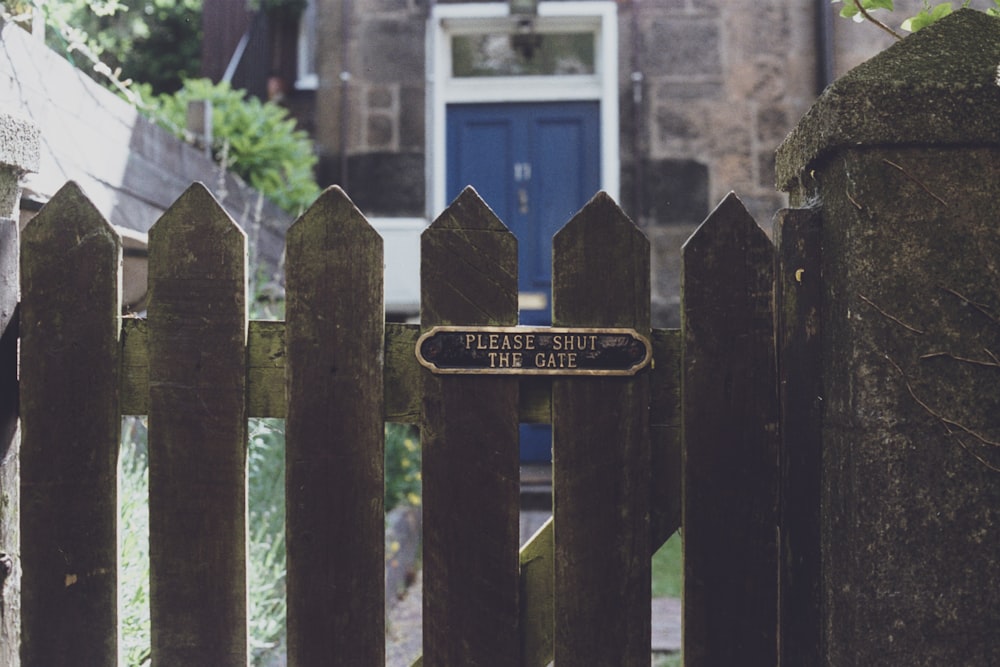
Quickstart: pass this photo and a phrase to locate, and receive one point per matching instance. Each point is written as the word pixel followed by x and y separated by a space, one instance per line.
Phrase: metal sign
pixel 533 351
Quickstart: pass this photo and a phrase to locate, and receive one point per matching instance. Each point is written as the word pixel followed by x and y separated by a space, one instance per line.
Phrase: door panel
pixel 535 165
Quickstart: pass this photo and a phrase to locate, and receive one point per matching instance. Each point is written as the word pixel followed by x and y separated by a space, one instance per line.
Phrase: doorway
pixel 535 164
pixel 524 109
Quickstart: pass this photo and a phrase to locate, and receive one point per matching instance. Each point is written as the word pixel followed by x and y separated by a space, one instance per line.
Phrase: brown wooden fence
pixel 336 371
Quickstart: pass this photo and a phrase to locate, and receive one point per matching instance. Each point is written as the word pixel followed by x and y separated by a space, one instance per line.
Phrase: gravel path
pixel 403 629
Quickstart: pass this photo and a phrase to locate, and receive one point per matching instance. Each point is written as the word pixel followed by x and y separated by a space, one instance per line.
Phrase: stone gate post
pixel 19 153
pixel 901 158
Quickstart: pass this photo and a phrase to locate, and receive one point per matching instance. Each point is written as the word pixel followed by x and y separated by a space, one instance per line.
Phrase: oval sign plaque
pixel 533 351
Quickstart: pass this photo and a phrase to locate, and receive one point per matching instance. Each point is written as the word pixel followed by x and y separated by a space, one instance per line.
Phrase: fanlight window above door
pixel 523 51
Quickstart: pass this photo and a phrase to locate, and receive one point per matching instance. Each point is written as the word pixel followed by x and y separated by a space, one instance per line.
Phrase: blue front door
pixel 535 164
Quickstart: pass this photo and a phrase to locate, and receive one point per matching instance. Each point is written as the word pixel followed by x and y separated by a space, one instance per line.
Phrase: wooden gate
pixel 336 371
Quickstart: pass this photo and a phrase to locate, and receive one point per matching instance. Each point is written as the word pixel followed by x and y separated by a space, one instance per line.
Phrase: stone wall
pixel 385 107
pixel 720 85
pixel 707 91
pixel 723 83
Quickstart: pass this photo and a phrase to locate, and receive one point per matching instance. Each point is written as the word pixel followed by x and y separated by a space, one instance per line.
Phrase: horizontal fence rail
pixel 336 371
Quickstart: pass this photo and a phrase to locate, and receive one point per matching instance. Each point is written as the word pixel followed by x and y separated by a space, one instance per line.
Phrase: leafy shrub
pixel 266 548
pixel 157 42
pixel 402 466
pixel 254 139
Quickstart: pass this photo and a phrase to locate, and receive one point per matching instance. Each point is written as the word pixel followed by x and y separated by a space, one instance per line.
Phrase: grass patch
pixel 668 570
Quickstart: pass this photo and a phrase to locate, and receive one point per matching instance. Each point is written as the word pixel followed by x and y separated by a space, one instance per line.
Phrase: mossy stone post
pixel 19 153
pixel 902 159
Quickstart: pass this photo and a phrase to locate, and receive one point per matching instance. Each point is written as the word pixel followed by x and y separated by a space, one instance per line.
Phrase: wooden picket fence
pixel 336 372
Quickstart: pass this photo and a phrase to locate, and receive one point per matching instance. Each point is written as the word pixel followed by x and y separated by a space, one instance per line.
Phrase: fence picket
pixel 601 451
pixel 470 448
pixel 197 435
pixel 334 437
pixel 71 424
pixel 665 435
pixel 797 272
pixel 730 443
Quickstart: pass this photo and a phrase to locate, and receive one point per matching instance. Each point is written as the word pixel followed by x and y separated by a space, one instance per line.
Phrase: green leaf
pixel 926 17
pixel 850 9
pixel 877 4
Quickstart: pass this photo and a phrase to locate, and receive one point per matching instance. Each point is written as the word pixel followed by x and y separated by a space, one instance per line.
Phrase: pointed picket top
pixel 332 231
pixel 182 234
pixel 730 223
pixel 69 220
pixel 333 208
pixel 469 211
pixel 716 246
pixel 600 240
pixel 468 276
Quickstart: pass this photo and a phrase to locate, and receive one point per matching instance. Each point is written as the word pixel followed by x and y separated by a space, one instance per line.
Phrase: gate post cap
pixel 938 86
pixel 20 143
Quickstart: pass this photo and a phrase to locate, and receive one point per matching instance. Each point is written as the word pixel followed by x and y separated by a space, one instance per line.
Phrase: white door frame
pixel 599 16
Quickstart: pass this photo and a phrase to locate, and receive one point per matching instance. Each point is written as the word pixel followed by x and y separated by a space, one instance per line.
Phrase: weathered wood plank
pixel 197 435
pixel 538 597
pixel 266 376
pixel 135 366
pixel 265 367
pixel 10 495
pixel 665 434
pixel 70 425
pixel 266 370
pixel 402 373
pixel 601 450
pixel 470 449
pixel 334 437
pixel 730 443
pixel 798 288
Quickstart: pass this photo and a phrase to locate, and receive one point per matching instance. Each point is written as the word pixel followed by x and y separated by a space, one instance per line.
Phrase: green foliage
pixel 133 544
pixel 266 507
pixel 402 466
pixel 170 51
pixel 255 139
pixel 926 16
pixel 852 10
pixel 667 569
pixel 157 42
pixel 860 10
